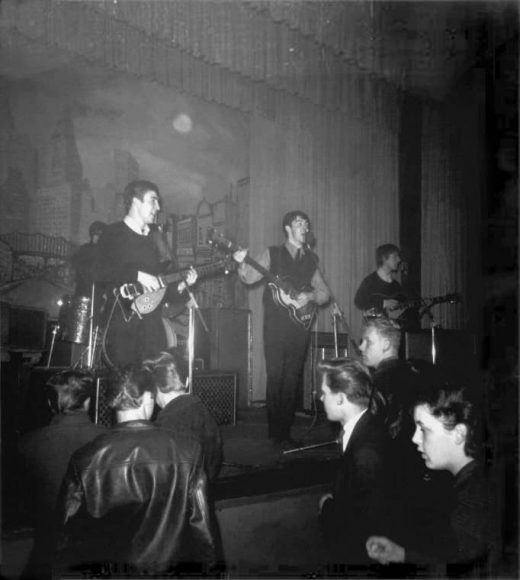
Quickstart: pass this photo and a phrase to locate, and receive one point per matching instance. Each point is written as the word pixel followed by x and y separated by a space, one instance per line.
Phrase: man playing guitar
pixel 285 339
pixel 380 292
pixel 127 254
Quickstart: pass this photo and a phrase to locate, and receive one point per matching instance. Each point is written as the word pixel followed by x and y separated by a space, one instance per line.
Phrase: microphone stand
pixel 191 333
pixel 337 313
pixel 314 446
pixel 433 329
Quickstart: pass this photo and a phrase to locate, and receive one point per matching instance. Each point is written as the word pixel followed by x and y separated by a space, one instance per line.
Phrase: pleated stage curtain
pixel 453 162
pixel 343 173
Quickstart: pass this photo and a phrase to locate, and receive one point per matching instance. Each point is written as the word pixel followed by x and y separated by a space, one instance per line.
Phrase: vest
pixel 300 272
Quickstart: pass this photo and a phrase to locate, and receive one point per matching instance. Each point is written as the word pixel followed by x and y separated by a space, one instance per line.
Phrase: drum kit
pixel 76 325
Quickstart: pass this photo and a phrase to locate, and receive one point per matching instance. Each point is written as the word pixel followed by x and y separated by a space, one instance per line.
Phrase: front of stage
pixel 267 500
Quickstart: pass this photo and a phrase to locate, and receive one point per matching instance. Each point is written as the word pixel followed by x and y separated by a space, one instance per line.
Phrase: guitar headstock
pixel 453 298
pixel 217 240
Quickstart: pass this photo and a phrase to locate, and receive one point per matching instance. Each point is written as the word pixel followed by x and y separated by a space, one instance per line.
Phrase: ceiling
pixel 419 46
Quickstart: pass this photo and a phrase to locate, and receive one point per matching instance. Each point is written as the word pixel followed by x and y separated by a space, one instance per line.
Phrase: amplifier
pixel 26 327
pixel 322 347
pixel 218 391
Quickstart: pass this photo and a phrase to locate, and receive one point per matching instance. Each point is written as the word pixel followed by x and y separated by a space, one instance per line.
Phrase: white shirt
pixel 349 427
pixel 135 227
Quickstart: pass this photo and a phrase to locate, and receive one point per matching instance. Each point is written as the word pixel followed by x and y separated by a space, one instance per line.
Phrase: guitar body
pixel 148 302
pixel 303 316
pixel 282 288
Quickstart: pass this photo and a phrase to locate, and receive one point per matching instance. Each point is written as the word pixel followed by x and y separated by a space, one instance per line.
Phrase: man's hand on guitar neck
pixel 240 255
pixel 191 278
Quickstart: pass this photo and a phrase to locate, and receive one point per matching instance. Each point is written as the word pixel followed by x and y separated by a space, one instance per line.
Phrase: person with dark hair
pixel 128 255
pixel 363 493
pixel 135 500
pixel 182 412
pixel 379 293
pixel 85 259
pixel 286 333
pixel 448 436
pixel 46 452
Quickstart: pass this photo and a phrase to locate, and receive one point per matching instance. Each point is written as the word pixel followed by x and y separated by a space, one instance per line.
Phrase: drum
pixel 74 319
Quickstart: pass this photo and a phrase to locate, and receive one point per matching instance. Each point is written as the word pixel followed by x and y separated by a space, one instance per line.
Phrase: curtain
pixel 453 161
pixel 343 174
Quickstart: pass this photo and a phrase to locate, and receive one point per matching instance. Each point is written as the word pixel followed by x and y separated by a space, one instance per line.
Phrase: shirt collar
pixel 292 249
pixel 136 227
pixel 349 427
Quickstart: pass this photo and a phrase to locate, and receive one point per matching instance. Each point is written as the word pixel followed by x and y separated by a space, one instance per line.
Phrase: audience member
pixel 423 494
pixel 447 435
pixel 393 377
pixel 184 413
pixel 46 453
pixel 135 500
pixel 363 491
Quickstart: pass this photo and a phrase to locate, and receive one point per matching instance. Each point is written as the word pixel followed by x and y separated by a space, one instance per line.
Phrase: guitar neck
pixel 203 270
pixel 261 270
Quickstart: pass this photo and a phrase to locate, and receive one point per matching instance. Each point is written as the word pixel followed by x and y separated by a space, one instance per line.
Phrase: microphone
pixel 310 240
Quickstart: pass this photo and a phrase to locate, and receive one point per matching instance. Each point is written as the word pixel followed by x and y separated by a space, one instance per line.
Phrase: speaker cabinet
pixel 322 346
pixel 227 346
pixel 26 327
pixel 454 351
pixel 218 391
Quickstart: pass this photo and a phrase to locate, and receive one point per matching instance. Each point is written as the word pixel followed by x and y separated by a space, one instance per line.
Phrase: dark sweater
pixel 468 537
pixel 373 290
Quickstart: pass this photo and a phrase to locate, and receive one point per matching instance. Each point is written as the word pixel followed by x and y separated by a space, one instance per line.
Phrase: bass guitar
pixel 142 302
pixel 283 290
pixel 396 312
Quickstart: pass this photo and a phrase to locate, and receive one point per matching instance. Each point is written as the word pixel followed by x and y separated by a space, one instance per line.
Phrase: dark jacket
pixel 363 495
pixel 187 415
pixel 45 454
pixel 136 499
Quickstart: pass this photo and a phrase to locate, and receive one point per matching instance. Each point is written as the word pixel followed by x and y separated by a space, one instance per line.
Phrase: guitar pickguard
pixel 303 316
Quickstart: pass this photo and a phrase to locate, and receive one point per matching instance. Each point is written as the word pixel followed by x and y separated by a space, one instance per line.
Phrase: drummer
pixel 85 258
pixel 84 262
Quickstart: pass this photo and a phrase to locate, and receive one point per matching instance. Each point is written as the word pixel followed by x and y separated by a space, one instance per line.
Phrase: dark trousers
pixel 131 341
pixel 285 348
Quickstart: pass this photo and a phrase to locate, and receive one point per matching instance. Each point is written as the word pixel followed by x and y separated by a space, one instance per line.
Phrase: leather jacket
pixel 136 498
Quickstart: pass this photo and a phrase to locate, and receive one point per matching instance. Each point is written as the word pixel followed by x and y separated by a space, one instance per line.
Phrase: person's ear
pixel 340 399
pixel 461 432
pixel 386 344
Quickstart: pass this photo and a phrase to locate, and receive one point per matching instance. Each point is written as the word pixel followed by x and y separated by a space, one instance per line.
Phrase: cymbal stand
pixel 55 328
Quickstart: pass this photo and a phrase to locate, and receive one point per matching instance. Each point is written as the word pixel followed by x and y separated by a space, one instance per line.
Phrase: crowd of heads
pixel 447 416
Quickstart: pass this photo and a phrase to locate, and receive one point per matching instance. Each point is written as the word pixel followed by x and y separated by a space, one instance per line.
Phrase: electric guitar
pixel 142 302
pixel 395 312
pixel 283 289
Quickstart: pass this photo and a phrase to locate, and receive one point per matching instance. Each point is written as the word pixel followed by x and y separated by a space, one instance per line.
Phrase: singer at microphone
pixel 288 316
